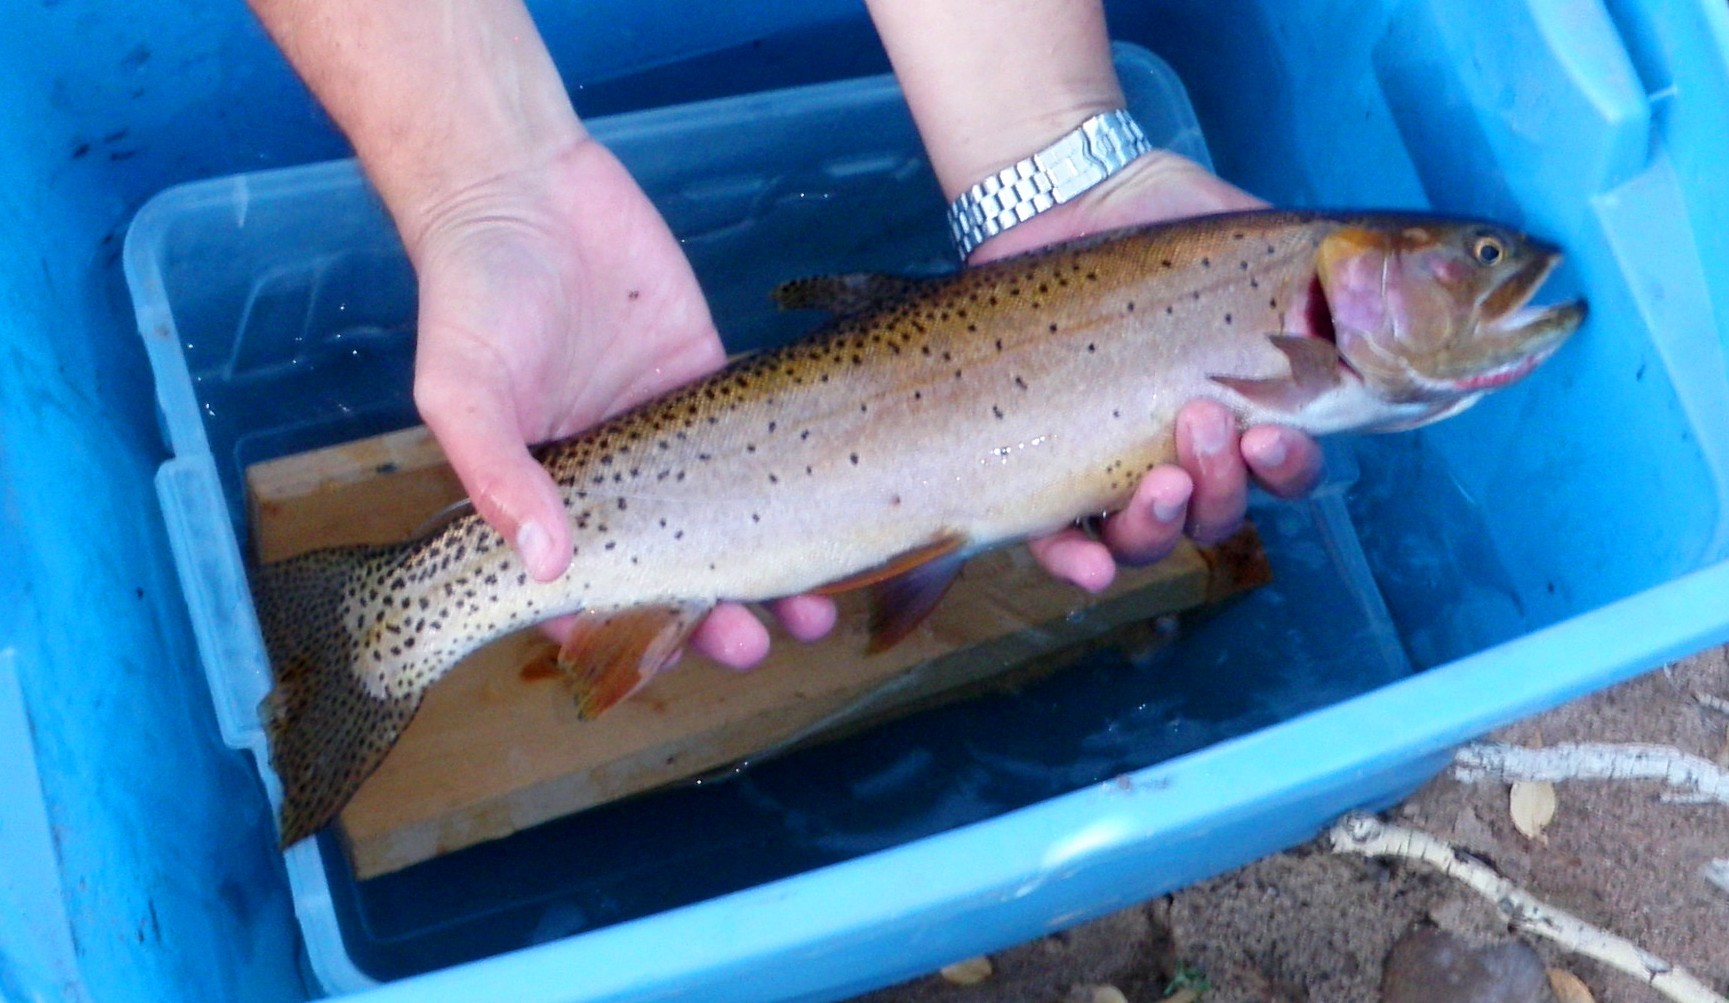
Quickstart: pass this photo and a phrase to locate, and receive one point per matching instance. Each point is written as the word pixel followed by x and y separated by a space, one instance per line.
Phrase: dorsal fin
pixel 842 294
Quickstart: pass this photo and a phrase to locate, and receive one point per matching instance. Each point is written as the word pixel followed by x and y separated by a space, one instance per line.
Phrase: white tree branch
pixel 1693 777
pixel 1367 836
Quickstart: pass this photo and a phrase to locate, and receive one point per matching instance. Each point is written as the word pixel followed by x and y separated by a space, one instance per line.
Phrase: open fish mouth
pixel 1517 336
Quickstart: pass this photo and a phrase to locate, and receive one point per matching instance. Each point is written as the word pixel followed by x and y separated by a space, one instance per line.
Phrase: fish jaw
pixel 1421 321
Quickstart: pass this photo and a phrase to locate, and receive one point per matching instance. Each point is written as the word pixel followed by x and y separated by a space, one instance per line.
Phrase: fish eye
pixel 1488 250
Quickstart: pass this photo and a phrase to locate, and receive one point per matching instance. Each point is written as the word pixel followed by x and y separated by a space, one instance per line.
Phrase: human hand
pixel 552 296
pixel 1206 493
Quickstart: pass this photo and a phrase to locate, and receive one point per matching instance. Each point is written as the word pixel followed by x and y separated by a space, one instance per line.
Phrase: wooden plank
pixel 498 747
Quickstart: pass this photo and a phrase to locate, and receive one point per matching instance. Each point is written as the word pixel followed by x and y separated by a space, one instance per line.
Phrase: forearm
pixel 436 96
pixel 991 83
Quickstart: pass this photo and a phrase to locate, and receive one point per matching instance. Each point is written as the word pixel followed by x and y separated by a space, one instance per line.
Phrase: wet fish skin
pixel 932 419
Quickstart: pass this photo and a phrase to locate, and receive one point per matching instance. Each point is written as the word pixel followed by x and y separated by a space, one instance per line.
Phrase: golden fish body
pixel 935 418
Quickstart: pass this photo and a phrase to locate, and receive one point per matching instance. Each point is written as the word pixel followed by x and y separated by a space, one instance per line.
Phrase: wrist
pixel 1082 159
pixel 989 85
pixel 434 98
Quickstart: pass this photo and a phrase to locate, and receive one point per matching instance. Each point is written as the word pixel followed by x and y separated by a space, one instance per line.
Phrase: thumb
pixel 476 425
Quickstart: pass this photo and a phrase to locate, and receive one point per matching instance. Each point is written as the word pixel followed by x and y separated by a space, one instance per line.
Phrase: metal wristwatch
pixel 1097 149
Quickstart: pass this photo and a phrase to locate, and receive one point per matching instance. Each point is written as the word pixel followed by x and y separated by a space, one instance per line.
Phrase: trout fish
pixel 927 420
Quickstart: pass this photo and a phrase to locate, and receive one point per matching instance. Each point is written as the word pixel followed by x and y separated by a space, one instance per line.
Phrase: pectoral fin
pixel 610 654
pixel 842 294
pixel 1314 371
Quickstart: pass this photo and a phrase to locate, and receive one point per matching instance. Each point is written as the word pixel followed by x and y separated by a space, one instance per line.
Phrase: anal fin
pixel 610 654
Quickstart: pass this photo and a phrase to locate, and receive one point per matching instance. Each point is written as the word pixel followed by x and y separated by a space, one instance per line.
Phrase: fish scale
pixel 930 419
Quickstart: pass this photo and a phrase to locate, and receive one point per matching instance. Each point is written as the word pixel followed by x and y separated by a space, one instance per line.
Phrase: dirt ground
pixel 1311 926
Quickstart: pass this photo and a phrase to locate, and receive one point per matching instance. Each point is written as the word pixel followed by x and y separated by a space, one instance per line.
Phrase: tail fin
pixel 328 728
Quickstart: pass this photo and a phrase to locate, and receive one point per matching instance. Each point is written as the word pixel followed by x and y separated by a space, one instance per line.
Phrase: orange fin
pixel 1314 371
pixel 842 294
pixel 895 566
pixel 611 653
pixel 901 602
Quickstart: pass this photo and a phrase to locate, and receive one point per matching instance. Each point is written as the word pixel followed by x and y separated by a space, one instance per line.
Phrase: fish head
pixel 1431 314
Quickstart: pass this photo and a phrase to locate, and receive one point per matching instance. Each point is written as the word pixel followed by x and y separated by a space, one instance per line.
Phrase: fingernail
pixel 1168 509
pixel 535 546
pixel 1273 453
pixel 1210 434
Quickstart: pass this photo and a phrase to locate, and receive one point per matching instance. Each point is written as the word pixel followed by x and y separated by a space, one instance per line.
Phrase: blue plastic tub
pixel 1566 534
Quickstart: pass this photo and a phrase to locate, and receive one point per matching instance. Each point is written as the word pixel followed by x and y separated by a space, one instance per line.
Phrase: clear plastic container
pixel 278 311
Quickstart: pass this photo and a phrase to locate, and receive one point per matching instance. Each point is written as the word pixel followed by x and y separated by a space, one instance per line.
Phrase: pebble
pixel 1433 966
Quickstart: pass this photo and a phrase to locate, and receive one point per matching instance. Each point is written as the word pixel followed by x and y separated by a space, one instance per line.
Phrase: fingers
pixel 1070 555
pixel 1149 526
pixel 734 637
pixel 475 424
pixel 807 617
pixel 1284 461
pixel 1207 448
pixel 731 636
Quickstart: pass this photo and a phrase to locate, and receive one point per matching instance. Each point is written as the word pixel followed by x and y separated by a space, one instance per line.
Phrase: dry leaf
pixel 969 972
pixel 1533 806
pixel 1568 988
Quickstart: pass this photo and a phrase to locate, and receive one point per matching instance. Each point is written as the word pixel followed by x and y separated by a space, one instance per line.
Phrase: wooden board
pixel 498 747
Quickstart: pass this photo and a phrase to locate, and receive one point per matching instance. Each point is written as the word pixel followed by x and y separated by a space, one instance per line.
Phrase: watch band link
pixel 1097 149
